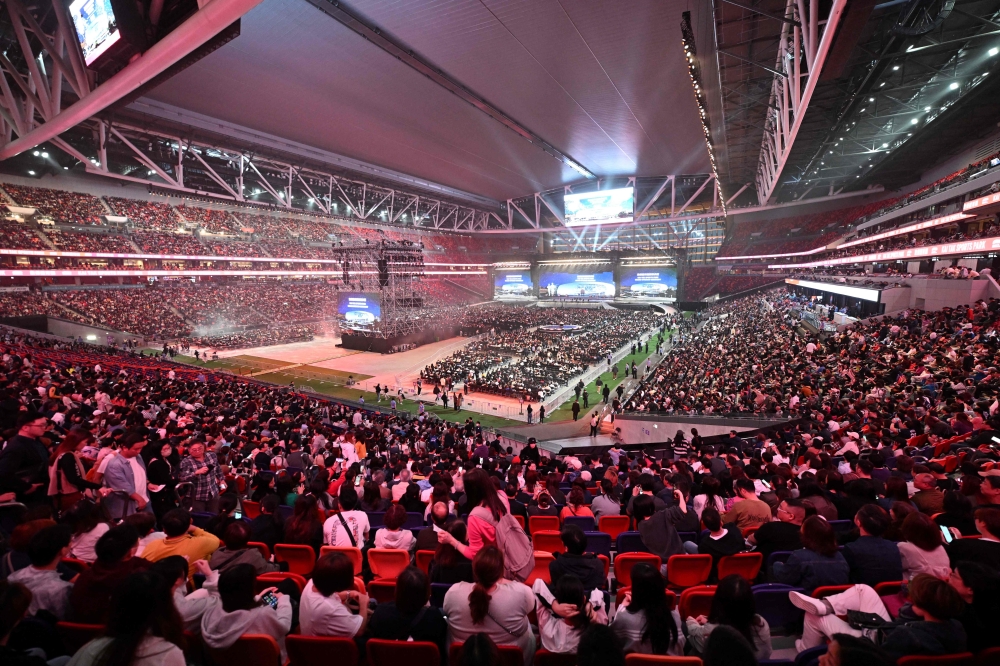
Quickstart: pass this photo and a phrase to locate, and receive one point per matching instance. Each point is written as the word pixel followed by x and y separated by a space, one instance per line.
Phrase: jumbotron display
pixel 649 282
pixel 596 207
pixel 552 284
pixel 359 311
pixel 512 284
pixel 96 27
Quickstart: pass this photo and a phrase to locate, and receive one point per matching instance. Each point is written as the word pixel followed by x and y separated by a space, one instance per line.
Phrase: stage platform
pixel 577 445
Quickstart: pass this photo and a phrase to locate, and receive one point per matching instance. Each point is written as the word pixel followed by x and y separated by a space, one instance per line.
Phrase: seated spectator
pixel 711 495
pixel 543 506
pixel 182 538
pixel 818 563
pixel 49 592
pixel 576 505
pixel 143 628
pixel 411 499
pixel 923 551
pixel 928 498
pixel 17 557
pixel 347 527
pixel 217 524
pixel 144 523
pixel 373 500
pixel 720 540
pixel 564 611
pixel 480 650
pixel 732 605
pixel 14 602
pixel 748 511
pixel 845 650
pixel 393 535
pixel 174 572
pixel 450 565
pixel 895 491
pixel 957 513
pixel 871 558
pixel 599 646
pixel 605 504
pixel 985 550
pixel 268 527
pixel 936 603
pixel 682 518
pixel 979 588
pixel 575 561
pixel 644 622
pixel 658 535
pixel 493 605
pixel 427 538
pixel 898 511
pixel 305 527
pixel 235 610
pixel 235 552
pixel 91 596
pixel 782 534
pixel 409 616
pixel 728 647
pixel 88 526
pixel 330 605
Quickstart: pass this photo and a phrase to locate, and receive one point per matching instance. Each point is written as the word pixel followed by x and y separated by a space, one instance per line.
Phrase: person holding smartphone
pixel 235 610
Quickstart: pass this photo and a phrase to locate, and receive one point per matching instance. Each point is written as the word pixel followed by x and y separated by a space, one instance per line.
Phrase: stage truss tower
pixel 394 271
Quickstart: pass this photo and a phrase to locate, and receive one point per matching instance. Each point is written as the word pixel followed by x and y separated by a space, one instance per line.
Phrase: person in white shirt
pixel 399 489
pixel 330 606
pixel 565 612
pixel 348 527
pixel 234 610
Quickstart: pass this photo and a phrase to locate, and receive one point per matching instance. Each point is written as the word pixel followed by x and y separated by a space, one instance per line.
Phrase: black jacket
pixel 586 567
pixel 925 638
pixel 23 462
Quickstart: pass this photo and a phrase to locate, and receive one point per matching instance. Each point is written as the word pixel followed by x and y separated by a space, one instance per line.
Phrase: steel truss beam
pixel 184 165
pixel 801 55
pixel 33 109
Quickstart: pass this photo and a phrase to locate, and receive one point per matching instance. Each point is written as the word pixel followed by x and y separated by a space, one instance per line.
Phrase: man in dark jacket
pixel 585 566
pixel 24 462
pixel 268 527
pixel 658 535
pixel 427 538
pixel 782 534
pixel 873 559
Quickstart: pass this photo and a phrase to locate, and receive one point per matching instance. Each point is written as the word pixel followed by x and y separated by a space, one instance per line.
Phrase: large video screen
pixel 96 27
pixel 359 311
pixel 649 282
pixel 511 284
pixel 552 284
pixel 596 207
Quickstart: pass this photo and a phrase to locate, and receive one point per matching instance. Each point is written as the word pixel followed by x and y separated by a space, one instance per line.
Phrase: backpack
pixel 518 554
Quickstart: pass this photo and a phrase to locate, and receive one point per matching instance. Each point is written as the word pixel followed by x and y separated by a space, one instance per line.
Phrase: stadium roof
pixel 603 83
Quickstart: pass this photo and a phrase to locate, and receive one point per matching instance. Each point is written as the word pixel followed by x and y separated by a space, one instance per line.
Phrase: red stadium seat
pixel 354 554
pixel 543 523
pixel 395 653
pixel 688 570
pixel 696 601
pixel 744 564
pixel 625 561
pixel 387 562
pixel 248 650
pixel 548 541
pixel 301 559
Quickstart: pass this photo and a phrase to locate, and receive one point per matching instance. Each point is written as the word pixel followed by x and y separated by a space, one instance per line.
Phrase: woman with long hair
pixel 67 482
pixel 87 523
pixel 305 526
pixel 923 551
pixel 492 605
pixel 711 495
pixel 644 621
pixel 449 565
pixel 143 627
pixel 733 606
pixel 818 562
pixel 161 472
pixel 485 510
pixel 409 616
pixel 372 499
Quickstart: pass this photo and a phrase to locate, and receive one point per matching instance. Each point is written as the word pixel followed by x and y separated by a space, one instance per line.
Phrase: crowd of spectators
pixel 257 337
pixel 58 205
pixel 146 215
pixel 213 220
pixel 24 303
pixel 143 311
pixel 18 235
pixel 131 472
pixel 153 242
pixel 521 360
pixel 74 241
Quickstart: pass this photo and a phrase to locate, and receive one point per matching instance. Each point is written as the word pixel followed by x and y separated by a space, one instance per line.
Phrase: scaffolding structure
pixel 393 271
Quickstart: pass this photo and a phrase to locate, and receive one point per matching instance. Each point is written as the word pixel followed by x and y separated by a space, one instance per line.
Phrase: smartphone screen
pixel 946 533
pixel 358 480
pixel 238 515
pixel 270 600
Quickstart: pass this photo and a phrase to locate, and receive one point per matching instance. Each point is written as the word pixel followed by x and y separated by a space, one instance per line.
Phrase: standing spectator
pixel 125 478
pixel 66 473
pixel 201 468
pixel 24 461
pixel 161 472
